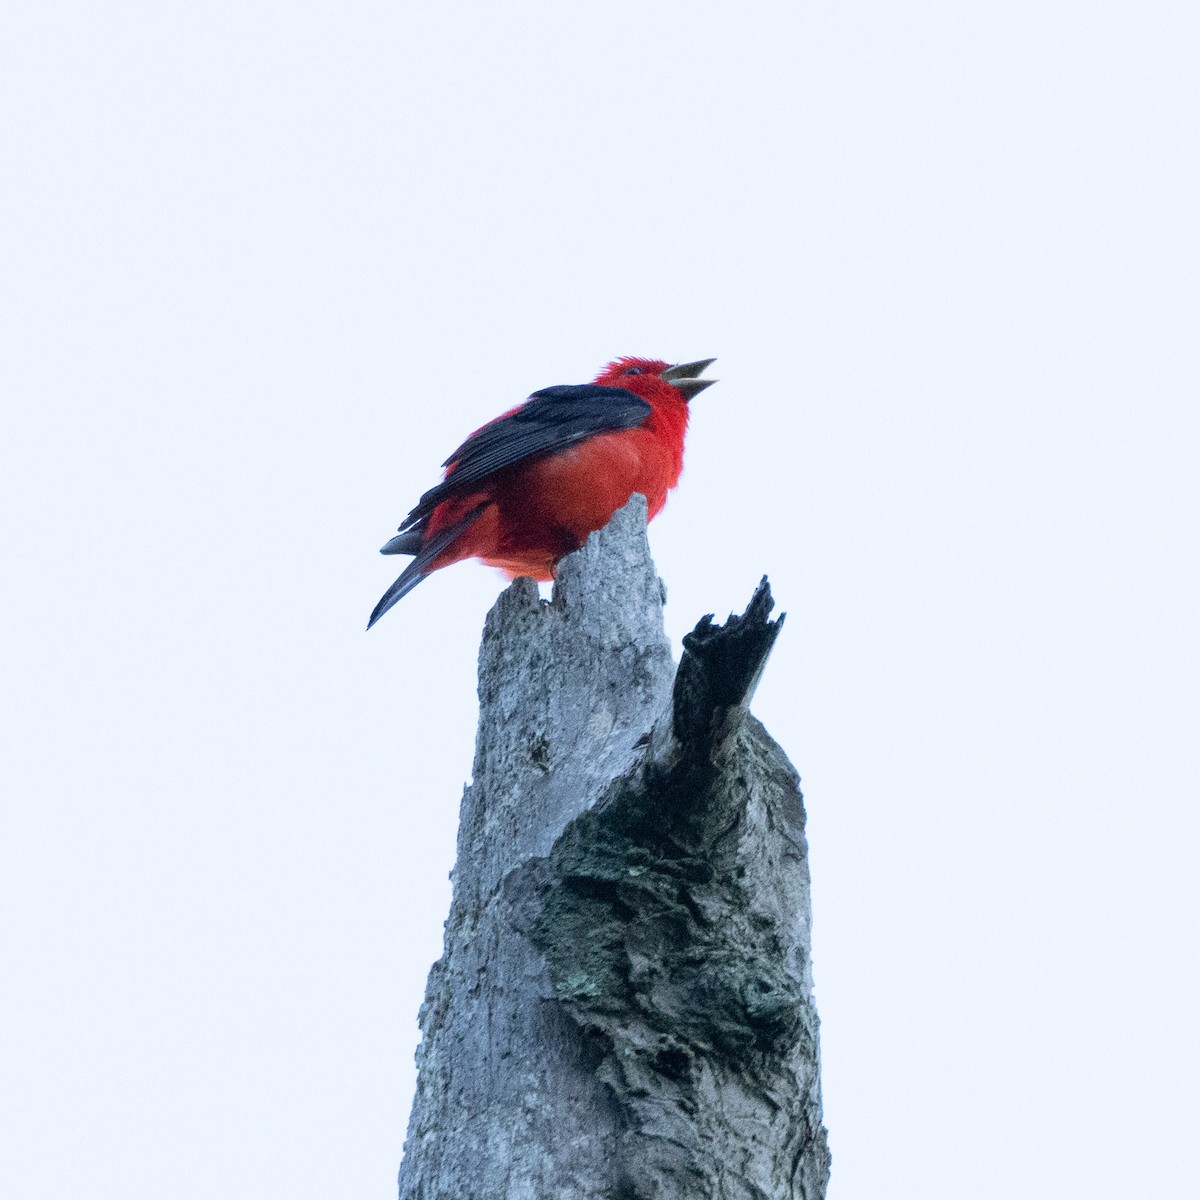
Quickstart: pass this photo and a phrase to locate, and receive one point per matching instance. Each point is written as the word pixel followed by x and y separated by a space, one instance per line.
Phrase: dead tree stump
pixel 624 1009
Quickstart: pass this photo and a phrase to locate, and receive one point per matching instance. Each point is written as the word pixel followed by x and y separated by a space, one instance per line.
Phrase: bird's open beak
pixel 684 377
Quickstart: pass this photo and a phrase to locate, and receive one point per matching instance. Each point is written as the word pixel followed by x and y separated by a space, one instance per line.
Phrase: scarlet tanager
pixel 531 485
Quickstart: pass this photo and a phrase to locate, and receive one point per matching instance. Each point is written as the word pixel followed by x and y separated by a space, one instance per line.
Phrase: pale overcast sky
pixel 265 264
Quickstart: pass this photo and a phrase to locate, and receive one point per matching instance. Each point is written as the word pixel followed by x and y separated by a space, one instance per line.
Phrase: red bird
pixel 531 485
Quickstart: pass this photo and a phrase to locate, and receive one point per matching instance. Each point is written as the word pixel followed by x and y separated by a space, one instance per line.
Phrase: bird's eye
pixel 632 371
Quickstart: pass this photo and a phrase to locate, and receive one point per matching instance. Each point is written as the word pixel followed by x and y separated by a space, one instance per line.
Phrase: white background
pixel 265 264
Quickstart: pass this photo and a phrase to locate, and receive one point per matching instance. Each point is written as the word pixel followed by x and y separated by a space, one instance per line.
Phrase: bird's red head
pixel 653 379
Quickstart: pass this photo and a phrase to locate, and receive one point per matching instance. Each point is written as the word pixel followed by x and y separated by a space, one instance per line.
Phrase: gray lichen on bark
pixel 624 1007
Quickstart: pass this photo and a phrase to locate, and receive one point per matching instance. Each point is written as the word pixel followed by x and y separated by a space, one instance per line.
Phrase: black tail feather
pixel 408 542
pixel 419 567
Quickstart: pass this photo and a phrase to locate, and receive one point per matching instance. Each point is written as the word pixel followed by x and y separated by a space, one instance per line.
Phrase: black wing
pixel 549 421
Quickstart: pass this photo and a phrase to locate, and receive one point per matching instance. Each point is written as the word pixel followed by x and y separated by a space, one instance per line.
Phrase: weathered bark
pixel 624 1007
